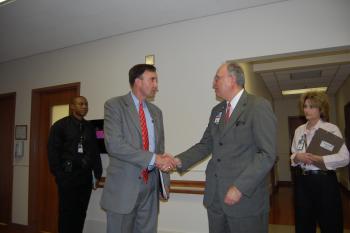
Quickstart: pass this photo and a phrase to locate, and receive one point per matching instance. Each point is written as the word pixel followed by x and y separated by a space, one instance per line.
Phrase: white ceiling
pixel 331 76
pixel 29 27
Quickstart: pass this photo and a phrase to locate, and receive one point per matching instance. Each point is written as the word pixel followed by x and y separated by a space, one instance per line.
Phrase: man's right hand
pixel 165 162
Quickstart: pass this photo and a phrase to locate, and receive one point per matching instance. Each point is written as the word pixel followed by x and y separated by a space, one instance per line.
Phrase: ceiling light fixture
pixel 301 91
pixel 5 2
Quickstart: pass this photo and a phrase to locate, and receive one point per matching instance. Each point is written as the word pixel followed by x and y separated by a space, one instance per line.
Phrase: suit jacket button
pixel 219 160
pixel 220 143
pixel 215 175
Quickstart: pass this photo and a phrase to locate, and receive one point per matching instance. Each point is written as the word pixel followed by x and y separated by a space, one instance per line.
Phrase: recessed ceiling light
pixel 4 2
pixel 301 91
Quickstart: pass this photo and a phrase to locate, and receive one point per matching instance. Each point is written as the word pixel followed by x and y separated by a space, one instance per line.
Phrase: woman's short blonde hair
pixel 319 100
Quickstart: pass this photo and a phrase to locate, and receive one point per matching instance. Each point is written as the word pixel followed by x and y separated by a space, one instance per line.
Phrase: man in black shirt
pixel 73 155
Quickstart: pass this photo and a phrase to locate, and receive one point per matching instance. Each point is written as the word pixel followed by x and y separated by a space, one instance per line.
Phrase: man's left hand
pixel 233 196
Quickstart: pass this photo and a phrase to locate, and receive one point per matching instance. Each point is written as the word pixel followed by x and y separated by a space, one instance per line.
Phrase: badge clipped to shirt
pixel 301 143
pixel 80 148
pixel 217 118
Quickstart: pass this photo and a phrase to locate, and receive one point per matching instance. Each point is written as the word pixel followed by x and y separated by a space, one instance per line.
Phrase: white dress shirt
pixel 150 129
pixel 235 100
pixel 303 135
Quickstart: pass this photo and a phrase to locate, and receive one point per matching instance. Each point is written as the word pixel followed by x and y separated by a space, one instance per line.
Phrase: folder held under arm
pixel 324 143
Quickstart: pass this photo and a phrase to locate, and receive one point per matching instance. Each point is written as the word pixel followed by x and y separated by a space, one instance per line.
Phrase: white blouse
pixel 303 135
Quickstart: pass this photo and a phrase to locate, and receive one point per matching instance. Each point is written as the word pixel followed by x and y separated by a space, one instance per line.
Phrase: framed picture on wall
pixel 21 132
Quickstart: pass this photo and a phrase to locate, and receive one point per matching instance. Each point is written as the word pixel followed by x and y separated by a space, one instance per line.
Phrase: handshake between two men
pixel 166 162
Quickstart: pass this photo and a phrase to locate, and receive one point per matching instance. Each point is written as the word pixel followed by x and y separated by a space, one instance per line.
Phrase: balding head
pixel 228 81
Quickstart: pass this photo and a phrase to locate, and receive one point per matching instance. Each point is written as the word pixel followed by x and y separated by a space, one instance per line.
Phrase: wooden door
pixel 293 123
pixel 43 195
pixel 347 128
pixel 7 119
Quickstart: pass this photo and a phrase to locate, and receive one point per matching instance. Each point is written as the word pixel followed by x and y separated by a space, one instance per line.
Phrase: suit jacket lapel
pixel 132 111
pixel 237 112
pixel 222 118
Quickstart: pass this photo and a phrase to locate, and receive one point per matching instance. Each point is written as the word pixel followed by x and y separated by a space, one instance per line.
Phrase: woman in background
pixel 317 195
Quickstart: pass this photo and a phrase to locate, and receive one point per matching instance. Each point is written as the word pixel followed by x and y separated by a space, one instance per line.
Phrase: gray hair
pixel 235 70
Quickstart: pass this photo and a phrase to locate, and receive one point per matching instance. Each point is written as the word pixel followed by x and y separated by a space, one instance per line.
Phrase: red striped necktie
pixel 144 130
pixel 227 114
pixel 145 141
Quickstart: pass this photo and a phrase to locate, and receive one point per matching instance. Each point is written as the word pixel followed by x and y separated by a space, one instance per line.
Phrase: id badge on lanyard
pixel 80 144
pixel 301 143
pixel 80 148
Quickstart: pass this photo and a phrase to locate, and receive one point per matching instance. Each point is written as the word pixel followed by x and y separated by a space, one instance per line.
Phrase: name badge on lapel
pixel 217 118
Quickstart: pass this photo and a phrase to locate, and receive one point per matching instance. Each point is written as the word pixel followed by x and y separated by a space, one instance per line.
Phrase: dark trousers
pixel 73 203
pixel 318 201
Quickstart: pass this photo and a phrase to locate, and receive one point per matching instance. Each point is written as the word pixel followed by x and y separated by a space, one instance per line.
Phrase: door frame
pixel 34 141
pixel 293 124
pixel 347 130
pixel 12 96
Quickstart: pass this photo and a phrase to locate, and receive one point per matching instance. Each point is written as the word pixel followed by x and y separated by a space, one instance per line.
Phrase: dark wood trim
pixel 347 130
pixel 33 150
pixel 15 228
pixel 187 186
pixel 178 186
pixel 344 189
pixel 34 138
pixel 57 88
pixel 11 95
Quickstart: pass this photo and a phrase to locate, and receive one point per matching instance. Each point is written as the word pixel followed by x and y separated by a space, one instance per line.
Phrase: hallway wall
pixel 187 56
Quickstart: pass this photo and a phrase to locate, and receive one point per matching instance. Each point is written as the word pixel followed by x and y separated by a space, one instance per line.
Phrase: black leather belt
pixel 302 172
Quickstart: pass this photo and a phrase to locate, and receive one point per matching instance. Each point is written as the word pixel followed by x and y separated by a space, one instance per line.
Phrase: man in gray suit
pixel 134 139
pixel 241 136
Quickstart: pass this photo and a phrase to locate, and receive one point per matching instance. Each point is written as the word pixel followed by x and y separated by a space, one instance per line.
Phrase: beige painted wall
pixel 254 84
pixel 283 109
pixel 187 56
